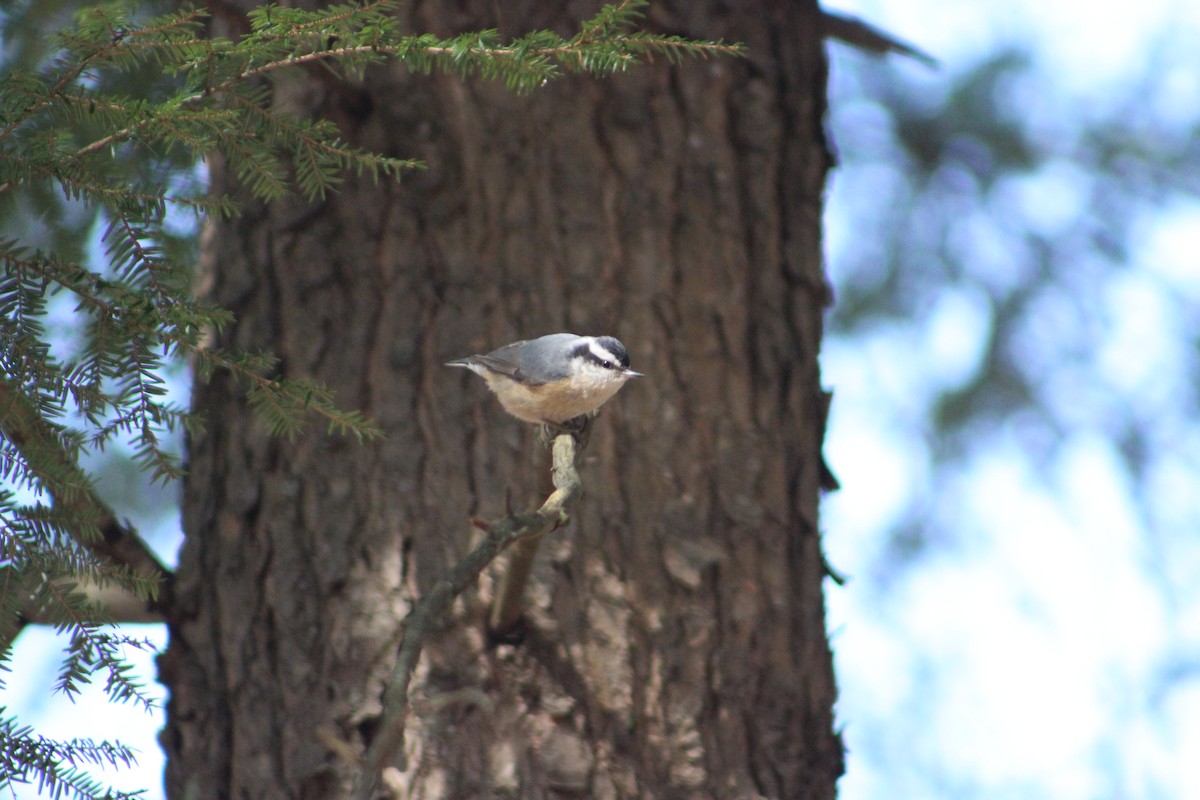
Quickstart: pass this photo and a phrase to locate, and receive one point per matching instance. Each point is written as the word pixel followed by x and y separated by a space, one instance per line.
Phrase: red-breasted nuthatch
pixel 553 378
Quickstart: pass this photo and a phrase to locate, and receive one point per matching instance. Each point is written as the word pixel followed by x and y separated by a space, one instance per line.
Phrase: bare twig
pixel 857 33
pixel 508 606
pixel 508 603
pixel 389 741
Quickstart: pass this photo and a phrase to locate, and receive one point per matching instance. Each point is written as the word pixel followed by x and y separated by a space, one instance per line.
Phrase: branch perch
pixel 508 604
pixel 529 525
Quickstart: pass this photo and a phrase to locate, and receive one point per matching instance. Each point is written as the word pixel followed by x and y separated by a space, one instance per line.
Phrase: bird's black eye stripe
pixel 605 352
pixel 606 363
pixel 595 359
pixel 611 353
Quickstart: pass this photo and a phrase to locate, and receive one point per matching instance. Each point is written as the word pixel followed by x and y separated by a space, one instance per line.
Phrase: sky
pixel 1048 649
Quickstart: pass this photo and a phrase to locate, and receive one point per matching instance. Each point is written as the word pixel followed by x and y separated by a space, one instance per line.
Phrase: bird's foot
pixel 578 427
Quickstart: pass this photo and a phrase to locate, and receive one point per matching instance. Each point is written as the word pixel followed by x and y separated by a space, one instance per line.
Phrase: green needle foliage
pixel 105 136
pixel 52 764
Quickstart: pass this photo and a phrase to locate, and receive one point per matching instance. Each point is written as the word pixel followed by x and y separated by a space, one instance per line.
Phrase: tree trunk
pixel 676 643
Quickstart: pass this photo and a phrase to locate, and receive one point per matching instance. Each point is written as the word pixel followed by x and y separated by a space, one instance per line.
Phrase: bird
pixel 553 378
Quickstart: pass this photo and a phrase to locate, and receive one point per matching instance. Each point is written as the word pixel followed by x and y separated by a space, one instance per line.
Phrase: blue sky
pixel 1049 646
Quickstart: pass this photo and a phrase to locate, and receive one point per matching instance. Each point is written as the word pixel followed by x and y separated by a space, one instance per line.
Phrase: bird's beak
pixel 631 374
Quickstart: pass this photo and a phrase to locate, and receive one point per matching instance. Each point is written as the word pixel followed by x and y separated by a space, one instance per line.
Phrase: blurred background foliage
pixel 1032 251
pixel 1014 241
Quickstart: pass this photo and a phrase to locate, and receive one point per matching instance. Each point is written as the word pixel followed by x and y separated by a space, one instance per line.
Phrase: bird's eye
pixel 606 364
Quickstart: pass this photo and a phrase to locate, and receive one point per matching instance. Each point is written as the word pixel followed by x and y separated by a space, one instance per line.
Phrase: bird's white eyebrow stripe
pixel 601 352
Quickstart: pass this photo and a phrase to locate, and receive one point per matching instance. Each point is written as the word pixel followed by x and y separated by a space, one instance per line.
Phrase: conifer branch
pixel 26 758
pixel 90 521
pixel 279 401
pixel 294 37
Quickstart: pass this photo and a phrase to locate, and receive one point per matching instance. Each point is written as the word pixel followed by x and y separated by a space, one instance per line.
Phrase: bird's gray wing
pixel 522 363
pixel 505 363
